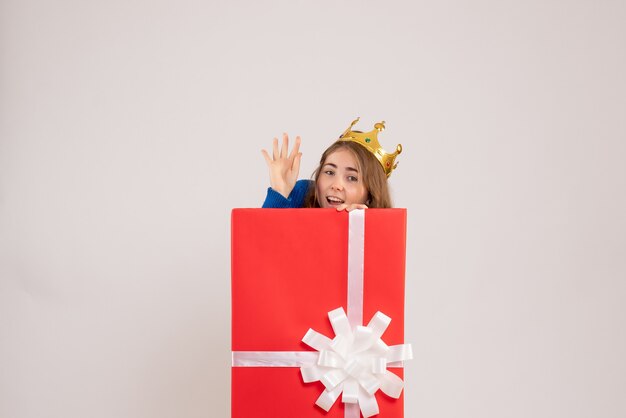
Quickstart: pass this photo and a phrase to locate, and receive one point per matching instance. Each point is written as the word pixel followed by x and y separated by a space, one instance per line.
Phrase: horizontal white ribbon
pixel 274 358
pixel 284 359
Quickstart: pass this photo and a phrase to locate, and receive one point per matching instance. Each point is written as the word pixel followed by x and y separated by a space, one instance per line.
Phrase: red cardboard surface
pixel 289 269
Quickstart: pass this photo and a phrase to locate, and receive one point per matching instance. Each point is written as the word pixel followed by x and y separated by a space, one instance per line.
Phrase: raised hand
pixel 284 166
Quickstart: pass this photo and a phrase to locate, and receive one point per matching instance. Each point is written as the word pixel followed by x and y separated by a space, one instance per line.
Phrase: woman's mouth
pixel 334 201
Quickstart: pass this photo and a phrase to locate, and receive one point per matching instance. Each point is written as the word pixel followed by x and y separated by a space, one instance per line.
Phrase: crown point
pixel 370 141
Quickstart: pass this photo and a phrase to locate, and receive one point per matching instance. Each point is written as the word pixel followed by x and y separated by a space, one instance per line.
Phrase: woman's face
pixel 340 181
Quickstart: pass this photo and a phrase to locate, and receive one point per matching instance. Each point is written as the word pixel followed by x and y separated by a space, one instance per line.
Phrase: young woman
pixel 349 176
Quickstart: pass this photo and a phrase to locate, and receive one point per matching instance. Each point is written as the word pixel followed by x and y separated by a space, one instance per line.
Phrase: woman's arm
pixel 275 200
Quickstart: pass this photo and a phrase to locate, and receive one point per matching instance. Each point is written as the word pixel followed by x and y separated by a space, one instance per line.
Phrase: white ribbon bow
pixel 355 363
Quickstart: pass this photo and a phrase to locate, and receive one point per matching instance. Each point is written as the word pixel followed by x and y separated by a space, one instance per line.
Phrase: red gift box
pixel 289 269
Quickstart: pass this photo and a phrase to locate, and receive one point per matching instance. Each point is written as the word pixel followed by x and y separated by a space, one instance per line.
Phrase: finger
pixel 341 207
pixel 295 168
pixel 275 149
pixel 268 160
pixel 285 147
pixel 295 149
pixel 356 206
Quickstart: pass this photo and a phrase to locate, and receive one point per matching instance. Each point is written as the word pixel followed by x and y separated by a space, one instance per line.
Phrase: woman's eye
pixel 329 172
pixel 352 178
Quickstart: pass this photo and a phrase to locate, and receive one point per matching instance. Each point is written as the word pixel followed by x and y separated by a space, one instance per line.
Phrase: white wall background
pixel 129 129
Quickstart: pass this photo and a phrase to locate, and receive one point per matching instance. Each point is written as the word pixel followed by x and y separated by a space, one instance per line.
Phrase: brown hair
pixel 372 175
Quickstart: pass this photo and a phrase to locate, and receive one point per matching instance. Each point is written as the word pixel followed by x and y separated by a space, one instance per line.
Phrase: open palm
pixel 284 166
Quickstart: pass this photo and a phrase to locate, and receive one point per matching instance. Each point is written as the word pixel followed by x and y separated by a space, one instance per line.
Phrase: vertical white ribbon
pixel 356 257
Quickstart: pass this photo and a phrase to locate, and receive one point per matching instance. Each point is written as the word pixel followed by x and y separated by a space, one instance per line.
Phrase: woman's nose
pixel 337 185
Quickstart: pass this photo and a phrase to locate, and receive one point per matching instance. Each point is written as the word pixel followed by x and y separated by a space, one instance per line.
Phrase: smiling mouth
pixel 333 201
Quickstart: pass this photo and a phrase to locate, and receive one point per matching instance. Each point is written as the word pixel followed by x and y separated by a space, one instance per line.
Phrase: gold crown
pixel 370 141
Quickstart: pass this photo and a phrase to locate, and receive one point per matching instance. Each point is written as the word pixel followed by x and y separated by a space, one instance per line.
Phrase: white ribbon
pixel 273 358
pixel 354 363
pixel 356 256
